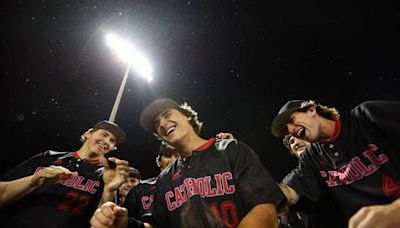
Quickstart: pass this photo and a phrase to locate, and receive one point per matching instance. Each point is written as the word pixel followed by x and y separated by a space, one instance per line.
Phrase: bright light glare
pixel 128 53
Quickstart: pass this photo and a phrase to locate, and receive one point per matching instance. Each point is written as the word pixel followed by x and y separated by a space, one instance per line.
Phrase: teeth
pixel 301 133
pixel 102 146
pixel 169 131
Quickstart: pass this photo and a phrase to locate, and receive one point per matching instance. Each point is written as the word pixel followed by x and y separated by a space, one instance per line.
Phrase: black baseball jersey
pixel 139 199
pixel 69 204
pixel 215 187
pixel 361 166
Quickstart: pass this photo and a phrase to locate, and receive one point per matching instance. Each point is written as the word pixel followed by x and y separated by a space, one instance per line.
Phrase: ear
pixel 312 111
pixel 158 162
pixel 188 118
pixel 85 135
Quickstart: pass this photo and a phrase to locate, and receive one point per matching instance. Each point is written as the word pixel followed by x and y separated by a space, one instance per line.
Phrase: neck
pixel 86 154
pixel 327 129
pixel 189 143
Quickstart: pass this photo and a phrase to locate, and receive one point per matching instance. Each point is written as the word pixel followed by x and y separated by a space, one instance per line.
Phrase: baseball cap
pixel 278 127
pixel 118 132
pixel 166 150
pixel 152 110
pixel 133 172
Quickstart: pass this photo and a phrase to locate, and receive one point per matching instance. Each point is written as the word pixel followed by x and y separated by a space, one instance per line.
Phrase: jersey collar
pixel 336 132
pixel 93 161
pixel 206 145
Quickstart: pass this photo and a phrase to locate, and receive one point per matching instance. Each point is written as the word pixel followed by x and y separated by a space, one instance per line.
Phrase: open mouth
pixel 169 130
pixel 101 146
pixel 301 133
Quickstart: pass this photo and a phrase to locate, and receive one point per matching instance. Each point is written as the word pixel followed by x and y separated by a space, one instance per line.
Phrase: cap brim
pixel 278 127
pixel 118 133
pixel 150 113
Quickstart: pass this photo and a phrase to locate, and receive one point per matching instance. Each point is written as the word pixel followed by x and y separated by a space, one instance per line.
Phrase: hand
pixel 114 178
pixel 379 216
pixel 110 215
pixel 223 135
pixel 51 175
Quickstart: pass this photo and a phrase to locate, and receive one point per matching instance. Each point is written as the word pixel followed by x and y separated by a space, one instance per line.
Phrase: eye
pixel 167 115
pixel 291 141
pixel 291 120
pixel 156 124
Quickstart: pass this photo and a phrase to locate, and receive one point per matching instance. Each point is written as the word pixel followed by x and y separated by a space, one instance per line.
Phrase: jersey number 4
pixel 390 186
pixel 74 203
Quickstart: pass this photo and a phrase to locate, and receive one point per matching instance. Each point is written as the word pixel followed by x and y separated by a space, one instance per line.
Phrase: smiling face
pixel 99 142
pixel 303 125
pixel 127 186
pixel 172 126
pixel 297 146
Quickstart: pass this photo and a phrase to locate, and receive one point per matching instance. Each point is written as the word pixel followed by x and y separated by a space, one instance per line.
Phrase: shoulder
pixel 222 144
pixel 368 106
pixel 149 181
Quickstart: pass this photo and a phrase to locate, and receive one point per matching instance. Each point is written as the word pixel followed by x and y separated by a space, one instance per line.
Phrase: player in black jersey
pixel 140 198
pixel 353 160
pixel 132 181
pixel 62 189
pixel 214 183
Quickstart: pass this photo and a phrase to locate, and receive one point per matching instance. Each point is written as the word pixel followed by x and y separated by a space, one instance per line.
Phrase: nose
pixel 290 127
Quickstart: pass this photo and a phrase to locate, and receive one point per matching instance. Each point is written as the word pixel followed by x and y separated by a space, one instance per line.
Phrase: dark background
pixel 235 62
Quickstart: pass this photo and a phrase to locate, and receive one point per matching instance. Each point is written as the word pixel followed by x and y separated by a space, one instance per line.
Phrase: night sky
pixel 236 62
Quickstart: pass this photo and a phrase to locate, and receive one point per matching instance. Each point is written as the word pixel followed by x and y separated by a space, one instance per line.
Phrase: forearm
pixel 262 215
pixel 109 194
pixel 12 191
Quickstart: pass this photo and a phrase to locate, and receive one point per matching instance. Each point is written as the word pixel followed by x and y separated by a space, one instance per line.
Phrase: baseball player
pixel 140 198
pixel 214 183
pixel 62 189
pixel 132 181
pixel 352 159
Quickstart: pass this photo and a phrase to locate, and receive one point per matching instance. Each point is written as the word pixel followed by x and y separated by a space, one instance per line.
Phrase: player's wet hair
pixel 322 110
pixel 188 111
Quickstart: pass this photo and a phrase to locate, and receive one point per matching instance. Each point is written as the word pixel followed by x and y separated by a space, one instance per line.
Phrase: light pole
pixel 127 53
pixel 119 95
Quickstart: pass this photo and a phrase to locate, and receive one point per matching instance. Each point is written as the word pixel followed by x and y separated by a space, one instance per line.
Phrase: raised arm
pixel 12 191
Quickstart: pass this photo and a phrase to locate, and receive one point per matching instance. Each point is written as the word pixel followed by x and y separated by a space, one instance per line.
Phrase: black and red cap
pixel 278 127
pixel 118 132
pixel 152 110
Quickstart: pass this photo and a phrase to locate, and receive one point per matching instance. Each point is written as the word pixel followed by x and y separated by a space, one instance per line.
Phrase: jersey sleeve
pixel 158 210
pixel 384 115
pixel 304 181
pixel 26 168
pixel 131 203
pixel 253 182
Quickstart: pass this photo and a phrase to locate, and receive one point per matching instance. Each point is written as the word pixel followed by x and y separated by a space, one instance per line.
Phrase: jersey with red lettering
pixel 68 204
pixel 215 187
pixel 360 166
pixel 139 199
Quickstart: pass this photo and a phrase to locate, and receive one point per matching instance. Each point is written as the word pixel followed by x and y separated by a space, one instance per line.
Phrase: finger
pixel 122 214
pixel 105 163
pixel 99 220
pixel 118 161
pixel 358 217
pixel 107 209
pixel 59 168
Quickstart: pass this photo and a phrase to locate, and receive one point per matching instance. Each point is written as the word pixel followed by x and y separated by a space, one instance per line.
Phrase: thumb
pixel 105 163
